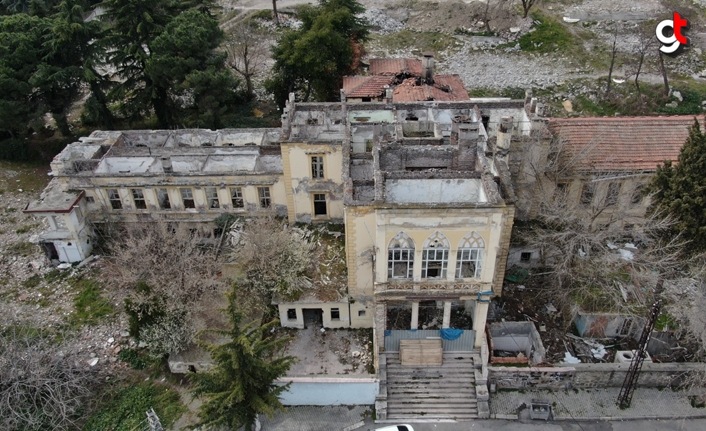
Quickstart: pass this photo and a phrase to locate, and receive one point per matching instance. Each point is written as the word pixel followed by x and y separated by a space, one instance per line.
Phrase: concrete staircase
pixel 447 392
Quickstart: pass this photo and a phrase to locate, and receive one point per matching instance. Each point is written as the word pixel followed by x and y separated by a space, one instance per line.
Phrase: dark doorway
pixel 313 318
pixel 50 250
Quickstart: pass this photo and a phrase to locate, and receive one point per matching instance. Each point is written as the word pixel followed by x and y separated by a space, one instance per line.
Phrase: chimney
pixel 504 133
pixel 167 165
pixel 388 94
pixel 428 67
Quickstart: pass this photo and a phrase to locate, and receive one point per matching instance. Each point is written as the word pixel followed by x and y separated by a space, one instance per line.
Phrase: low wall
pixel 329 391
pixel 582 376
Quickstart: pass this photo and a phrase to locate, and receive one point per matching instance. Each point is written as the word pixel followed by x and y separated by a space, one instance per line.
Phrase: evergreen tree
pixel 680 190
pixel 241 385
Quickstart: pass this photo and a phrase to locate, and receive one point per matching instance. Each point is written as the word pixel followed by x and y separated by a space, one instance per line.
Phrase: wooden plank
pixel 421 352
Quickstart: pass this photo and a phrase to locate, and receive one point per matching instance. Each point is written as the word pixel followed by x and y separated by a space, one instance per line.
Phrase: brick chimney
pixel 428 67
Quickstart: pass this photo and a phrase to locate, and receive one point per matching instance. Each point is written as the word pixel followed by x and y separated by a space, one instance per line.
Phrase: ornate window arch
pixel 400 257
pixel 435 256
pixel 469 258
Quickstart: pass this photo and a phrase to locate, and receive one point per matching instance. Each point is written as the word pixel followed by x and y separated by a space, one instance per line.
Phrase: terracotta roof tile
pixel 366 86
pixel 623 143
pixel 395 66
pixel 409 91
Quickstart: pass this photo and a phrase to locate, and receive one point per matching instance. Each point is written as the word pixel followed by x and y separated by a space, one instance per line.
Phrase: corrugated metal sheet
pixel 462 344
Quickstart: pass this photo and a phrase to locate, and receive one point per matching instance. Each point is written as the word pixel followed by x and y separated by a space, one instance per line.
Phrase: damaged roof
pixel 623 143
pixel 366 86
pixel 395 66
pixel 446 88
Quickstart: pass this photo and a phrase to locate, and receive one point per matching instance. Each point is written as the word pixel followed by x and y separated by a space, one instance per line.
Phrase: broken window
pixel 90 199
pixel 114 198
pixel 291 314
pixel 435 256
pixel 317 166
pixel 236 197
pixel 212 197
pixel 611 197
pixel 525 256
pixel 335 314
pixel 187 197
pixel 163 199
pixel 138 196
pixel 587 194
pixel 361 313
pixel 469 256
pixel 637 194
pixel 264 195
pixel 400 257
pixel 319 204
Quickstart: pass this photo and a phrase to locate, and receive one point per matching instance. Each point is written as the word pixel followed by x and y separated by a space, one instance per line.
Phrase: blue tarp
pixel 450 333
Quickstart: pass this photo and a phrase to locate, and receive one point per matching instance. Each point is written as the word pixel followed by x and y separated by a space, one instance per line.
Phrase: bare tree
pixel 527 5
pixel 491 11
pixel 170 275
pixel 275 16
pixel 274 259
pixel 613 54
pixel 646 39
pixel 42 384
pixel 663 70
pixel 247 53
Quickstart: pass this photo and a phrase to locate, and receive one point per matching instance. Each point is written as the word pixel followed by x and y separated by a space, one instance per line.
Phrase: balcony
pixel 430 288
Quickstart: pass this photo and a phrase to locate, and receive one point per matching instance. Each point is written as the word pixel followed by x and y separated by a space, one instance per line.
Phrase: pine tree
pixel 241 385
pixel 680 191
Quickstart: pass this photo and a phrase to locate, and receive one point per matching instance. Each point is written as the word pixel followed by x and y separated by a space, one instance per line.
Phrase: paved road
pixel 500 425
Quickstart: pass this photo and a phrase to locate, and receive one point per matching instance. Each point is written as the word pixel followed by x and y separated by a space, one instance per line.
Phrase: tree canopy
pixel 680 190
pixel 313 59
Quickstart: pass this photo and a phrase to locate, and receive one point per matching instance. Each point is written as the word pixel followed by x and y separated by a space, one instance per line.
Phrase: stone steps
pixel 432 393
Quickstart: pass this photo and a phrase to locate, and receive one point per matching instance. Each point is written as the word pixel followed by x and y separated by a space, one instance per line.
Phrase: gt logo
pixel 673 43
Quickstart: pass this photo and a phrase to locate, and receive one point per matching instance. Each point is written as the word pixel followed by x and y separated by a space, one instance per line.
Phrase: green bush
pixel 548 36
pixel 133 358
pixel 16 150
pixel 89 305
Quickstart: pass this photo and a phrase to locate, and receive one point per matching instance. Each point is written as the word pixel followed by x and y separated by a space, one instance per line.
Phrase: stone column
pixel 447 314
pixel 415 315
pixel 479 317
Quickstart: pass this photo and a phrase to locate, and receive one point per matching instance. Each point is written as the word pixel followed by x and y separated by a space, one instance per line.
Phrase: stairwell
pixel 447 392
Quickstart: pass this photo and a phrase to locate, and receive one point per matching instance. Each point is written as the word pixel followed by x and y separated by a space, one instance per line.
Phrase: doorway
pixel 313 318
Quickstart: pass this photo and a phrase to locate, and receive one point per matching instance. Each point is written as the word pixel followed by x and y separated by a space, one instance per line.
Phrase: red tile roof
pixel 446 88
pixel 395 66
pixel 623 143
pixel 366 86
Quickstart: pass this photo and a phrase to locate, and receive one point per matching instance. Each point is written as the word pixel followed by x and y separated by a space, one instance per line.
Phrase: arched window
pixel 470 256
pixel 435 256
pixel 400 256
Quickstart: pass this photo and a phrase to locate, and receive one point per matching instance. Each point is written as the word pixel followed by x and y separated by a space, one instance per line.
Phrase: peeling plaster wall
pixel 360 243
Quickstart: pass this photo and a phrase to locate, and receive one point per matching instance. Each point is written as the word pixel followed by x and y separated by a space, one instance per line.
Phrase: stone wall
pixel 583 376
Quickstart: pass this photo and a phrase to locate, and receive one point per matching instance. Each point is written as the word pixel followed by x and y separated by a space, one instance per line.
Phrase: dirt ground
pixel 331 351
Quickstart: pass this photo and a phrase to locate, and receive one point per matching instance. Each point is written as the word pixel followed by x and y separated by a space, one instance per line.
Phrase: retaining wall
pixel 329 391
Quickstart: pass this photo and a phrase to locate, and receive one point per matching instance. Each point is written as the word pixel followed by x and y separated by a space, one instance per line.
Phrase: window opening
pixel 317 166
pixel 90 199
pixel 587 194
pixel 212 197
pixel 114 198
pixel 335 314
pixel 435 256
pixel 163 198
pixel 291 314
pixel 264 194
pixel 525 256
pixel 236 197
pixel 139 198
pixel 361 313
pixel 187 197
pixel 637 194
pixel 319 204
pixel 400 257
pixel 613 193
pixel 469 257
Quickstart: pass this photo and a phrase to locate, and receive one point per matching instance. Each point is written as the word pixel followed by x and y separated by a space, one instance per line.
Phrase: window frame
pixel 264 196
pixel 319 202
pixel 525 256
pixel 163 200
pixel 336 310
pixel 317 166
pixel 114 199
pixel 588 193
pixel 613 193
pixel 190 199
pixel 212 198
pixel 434 256
pixel 138 199
pixel 395 258
pixel 470 252
pixel 236 197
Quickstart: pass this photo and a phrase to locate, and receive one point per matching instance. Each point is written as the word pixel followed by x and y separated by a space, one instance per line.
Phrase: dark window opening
pixel 217 232
pixel 139 198
pixel 613 193
pixel 212 197
pixel 114 198
pixel 361 313
pixel 163 198
pixel 637 194
pixel 291 314
pixel 587 194
pixel 485 119
pixel 366 99
pixel 90 199
pixel 319 204
pixel 335 314
pixel 317 166
pixel 187 197
pixel 525 256
pixel 236 197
